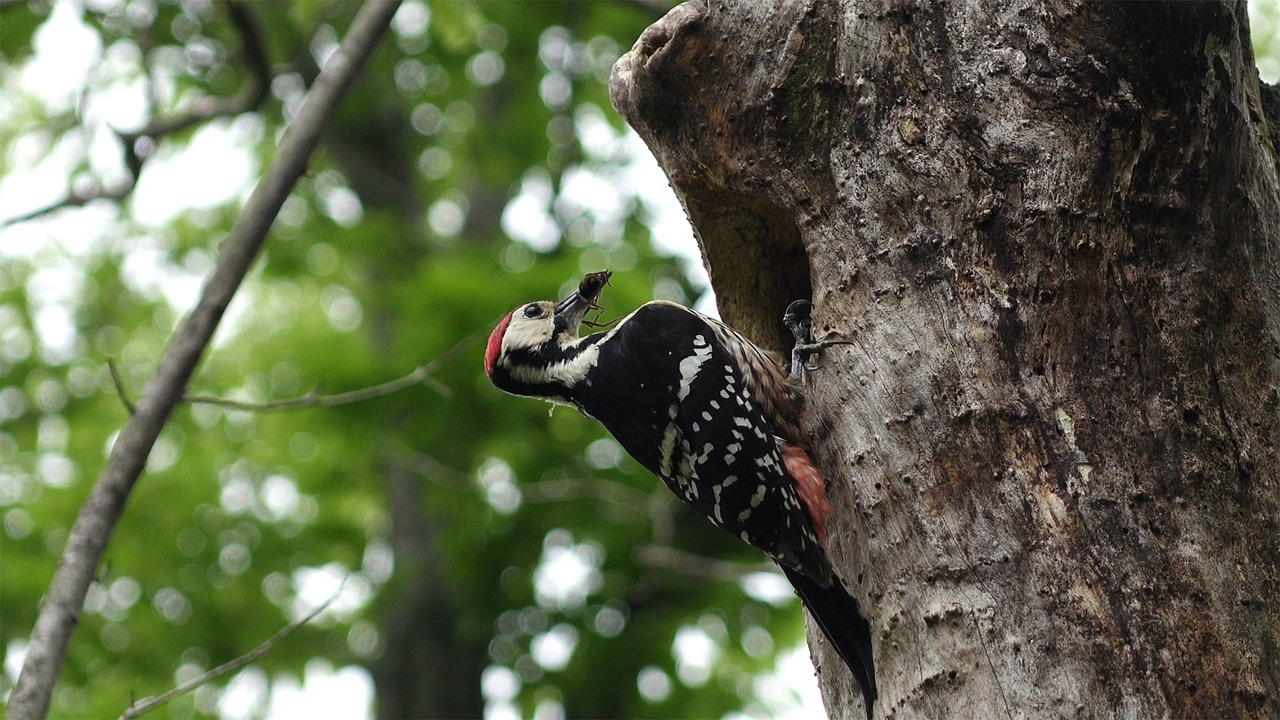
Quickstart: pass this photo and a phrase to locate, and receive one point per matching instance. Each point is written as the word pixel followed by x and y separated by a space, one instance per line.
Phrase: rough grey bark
pixel 1051 230
pixel 60 609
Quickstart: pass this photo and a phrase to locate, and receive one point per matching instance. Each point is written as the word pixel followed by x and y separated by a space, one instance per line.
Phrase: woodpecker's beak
pixel 573 309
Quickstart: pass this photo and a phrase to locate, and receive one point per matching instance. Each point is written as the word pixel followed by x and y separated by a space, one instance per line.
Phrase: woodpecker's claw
pixel 798 321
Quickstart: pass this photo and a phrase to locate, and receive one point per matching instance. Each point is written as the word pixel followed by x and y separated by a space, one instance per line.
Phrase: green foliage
pixel 1264 29
pixel 390 253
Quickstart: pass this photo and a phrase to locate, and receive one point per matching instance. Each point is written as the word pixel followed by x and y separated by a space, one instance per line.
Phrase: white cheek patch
pixel 567 372
pixel 537 332
pixel 526 333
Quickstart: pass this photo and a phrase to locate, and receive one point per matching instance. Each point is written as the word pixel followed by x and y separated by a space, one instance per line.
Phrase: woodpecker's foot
pixel 798 321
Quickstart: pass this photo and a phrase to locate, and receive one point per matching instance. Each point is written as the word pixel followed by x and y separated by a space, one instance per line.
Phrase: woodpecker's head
pixel 532 351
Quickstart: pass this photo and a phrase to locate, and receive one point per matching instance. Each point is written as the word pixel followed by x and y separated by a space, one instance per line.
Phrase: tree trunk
pixel 430 663
pixel 430 667
pixel 1050 230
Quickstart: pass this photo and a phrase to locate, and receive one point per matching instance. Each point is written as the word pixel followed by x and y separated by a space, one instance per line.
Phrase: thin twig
pixel 74 199
pixel 661 507
pixel 436 471
pixel 253 36
pixel 592 488
pixel 118 381
pixel 147 704
pixel 255 92
pixel 314 399
pixel 421 375
pixel 663 556
pixel 63 603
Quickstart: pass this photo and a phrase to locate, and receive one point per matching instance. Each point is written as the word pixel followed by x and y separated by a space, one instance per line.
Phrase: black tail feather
pixel 837 613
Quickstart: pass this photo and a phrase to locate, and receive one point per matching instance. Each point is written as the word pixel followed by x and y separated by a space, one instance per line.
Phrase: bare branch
pixel 64 601
pixel 436 471
pixel 147 704
pixel 255 92
pixel 669 558
pixel 118 381
pixel 420 376
pixel 315 399
pixel 75 199
pixel 252 35
pixel 661 506
pixel 593 488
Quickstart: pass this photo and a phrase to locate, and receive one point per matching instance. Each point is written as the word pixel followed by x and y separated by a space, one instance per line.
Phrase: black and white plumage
pixel 708 412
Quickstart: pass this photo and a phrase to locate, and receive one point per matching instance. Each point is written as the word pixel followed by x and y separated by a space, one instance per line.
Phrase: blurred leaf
pixel 392 251
pixel 455 24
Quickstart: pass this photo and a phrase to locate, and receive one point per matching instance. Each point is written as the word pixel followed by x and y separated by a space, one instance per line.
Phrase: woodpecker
pixel 714 416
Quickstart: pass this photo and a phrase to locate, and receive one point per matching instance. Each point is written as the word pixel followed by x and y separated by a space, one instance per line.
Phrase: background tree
pixel 483 569
pixel 131 133
pixel 1050 229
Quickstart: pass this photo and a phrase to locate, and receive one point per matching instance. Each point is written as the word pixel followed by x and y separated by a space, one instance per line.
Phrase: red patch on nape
pixel 495 344
pixel 810 487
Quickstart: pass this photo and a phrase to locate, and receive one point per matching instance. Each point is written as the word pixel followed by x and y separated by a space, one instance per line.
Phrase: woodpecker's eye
pixel 533 311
